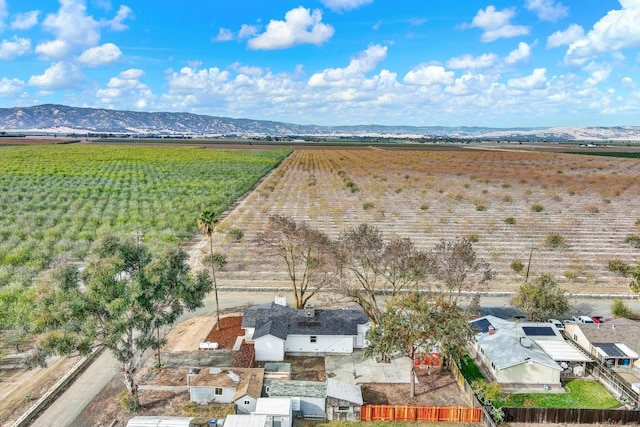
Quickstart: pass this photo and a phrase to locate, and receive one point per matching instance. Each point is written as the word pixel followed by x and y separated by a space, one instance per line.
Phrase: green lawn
pixel 583 394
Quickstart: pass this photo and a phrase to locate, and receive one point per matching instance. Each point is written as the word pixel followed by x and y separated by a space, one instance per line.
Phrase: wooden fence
pixel 571 416
pixel 450 414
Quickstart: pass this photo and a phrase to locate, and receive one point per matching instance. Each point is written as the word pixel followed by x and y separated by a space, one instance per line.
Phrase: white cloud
pixel 364 62
pixel 598 73
pixel 496 24
pixel 617 30
pixel 628 82
pixel 247 31
pixel 521 53
pixel 548 10
pixel 60 75
pixel 25 21
pixel 470 84
pixel 300 26
pixel 13 48
pixel 224 35
pixel 116 24
pixel 190 79
pixel 427 75
pixel 10 87
pixel 126 89
pixel 471 62
pixel 106 54
pixel 537 80
pixel 72 28
pixel 338 5
pixel 566 37
pixel 54 49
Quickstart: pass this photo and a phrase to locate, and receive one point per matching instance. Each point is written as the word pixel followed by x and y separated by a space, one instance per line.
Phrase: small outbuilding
pixel 307 397
pixel 344 401
pixel 278 411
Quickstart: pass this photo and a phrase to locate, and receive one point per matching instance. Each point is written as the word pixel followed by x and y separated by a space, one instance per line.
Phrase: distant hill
pixel 65 119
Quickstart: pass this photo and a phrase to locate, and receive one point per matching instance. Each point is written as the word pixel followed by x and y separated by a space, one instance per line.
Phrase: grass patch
pixel 469 369
pixel 583 394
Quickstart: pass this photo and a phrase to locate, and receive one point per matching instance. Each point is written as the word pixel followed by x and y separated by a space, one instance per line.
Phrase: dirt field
pixel 21 388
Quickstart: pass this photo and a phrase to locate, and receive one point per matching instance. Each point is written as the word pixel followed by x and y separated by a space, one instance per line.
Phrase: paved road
pixel 70 404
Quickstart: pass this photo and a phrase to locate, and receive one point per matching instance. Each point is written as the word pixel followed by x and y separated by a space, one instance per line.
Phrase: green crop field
pixel 55 199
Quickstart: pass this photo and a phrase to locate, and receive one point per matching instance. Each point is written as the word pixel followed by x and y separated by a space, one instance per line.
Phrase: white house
pixel 243 386
pixel 276 330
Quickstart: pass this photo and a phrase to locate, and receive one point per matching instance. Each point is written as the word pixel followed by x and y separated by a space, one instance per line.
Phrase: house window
pixel 313 339
pixel 343 409
pixel 218 391
pixel 493 366
pixel 575 337
pixel 247 402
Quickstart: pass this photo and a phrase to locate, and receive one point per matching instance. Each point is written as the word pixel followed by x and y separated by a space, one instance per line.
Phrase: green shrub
pixel 473 238
pixel 555 241
pixel 480 207
pixel 510 220
pixel 367 205
pixel 537 207
pixel 634 239
pixel 127 401
pixel 425 207
pixel 517 266
pixel 618 266
pixel 619 308
pixel 235 233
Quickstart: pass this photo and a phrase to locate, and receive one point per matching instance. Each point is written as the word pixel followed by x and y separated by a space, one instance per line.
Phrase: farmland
pixel 56 198
pixel 570 214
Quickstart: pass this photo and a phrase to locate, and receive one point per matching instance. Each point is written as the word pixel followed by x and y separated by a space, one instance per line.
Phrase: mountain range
pixel 63 119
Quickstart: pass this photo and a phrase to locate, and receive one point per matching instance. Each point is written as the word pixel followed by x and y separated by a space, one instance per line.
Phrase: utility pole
pixel 526 278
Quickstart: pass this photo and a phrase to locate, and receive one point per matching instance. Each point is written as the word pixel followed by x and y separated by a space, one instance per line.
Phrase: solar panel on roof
pixel 481 324
pixel 611 350
pixel 540 331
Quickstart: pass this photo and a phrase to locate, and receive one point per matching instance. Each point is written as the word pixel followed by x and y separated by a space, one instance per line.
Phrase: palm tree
pixel 206 223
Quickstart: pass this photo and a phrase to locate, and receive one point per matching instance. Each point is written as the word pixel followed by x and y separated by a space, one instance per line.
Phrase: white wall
pixel 323 344
pixel 269 348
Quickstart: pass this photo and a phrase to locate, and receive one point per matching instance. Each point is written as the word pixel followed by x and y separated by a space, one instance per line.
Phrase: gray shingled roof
pixel 297 389
pixel 620 330
pixel 281 321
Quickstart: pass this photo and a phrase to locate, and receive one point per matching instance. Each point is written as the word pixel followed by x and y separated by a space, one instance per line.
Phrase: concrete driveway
pixel 354 369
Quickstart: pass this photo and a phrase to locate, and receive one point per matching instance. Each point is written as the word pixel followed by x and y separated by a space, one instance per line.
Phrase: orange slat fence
pixel 450 414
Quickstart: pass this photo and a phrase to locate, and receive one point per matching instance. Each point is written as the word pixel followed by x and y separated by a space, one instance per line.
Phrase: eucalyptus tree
pixel 117 302
pixel 417 323
pixel 307 254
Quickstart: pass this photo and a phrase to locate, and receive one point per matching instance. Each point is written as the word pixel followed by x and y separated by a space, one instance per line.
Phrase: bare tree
pixel 456 265
pixel 370 267
pixel 307 254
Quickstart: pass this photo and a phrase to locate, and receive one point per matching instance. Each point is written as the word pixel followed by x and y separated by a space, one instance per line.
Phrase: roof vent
pixel 309 311
pixel 492 330
pixel 525 342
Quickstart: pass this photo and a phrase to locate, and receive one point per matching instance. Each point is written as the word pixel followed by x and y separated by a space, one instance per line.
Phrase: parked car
pixel 583 319
pixel 558 324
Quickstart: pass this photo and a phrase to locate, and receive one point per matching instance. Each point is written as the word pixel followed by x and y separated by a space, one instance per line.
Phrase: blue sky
pixel 494 63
